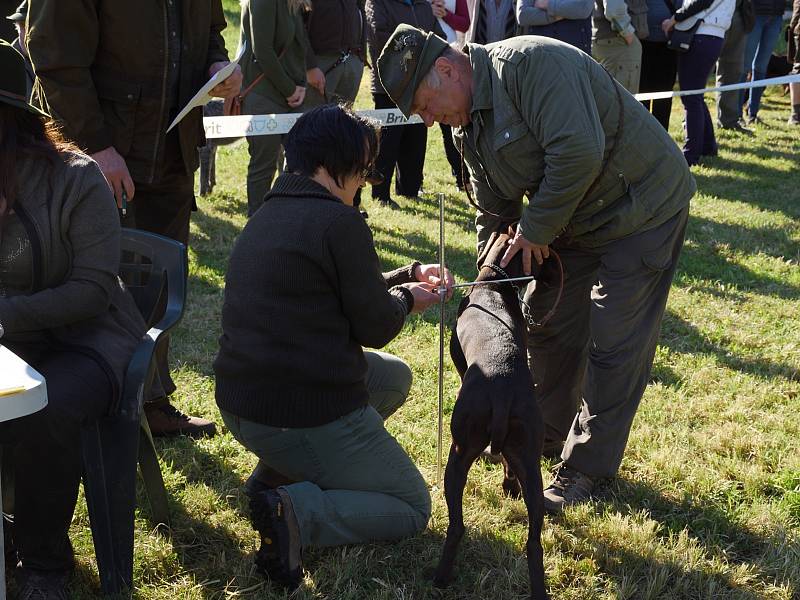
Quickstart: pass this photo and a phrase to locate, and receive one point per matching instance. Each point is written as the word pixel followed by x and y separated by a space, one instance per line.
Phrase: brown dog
pixel 497 404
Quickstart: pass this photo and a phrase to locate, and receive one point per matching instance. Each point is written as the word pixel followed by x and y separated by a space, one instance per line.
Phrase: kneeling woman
pixel 303 294
pixel 64 311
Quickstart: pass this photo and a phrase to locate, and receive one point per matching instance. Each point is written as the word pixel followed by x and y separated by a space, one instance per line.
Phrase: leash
pixel 442 299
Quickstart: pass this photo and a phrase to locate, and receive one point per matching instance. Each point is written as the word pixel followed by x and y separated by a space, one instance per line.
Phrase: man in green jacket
pixel 114 74
pixel 607 189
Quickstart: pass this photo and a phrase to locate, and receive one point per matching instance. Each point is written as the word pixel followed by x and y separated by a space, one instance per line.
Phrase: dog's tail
pixel 501 409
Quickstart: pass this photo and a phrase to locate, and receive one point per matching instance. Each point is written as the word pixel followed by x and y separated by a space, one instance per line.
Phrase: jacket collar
pixel 292 185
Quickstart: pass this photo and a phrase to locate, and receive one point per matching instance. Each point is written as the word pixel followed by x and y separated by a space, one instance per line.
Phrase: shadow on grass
pixel 681 336
pixel 719 536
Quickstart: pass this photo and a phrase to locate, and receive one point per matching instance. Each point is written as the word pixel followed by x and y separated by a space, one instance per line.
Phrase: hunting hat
pixel 19 15
pixel 405 60
pixel 13 79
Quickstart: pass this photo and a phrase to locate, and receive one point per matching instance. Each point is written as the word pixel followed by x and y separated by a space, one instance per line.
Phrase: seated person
pixel 64 311
pixel 303 294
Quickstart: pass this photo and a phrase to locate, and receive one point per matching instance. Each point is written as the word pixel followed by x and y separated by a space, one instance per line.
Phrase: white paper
pixel 202 97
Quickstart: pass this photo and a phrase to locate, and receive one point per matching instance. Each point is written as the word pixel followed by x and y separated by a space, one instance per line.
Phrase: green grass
pixel 707 503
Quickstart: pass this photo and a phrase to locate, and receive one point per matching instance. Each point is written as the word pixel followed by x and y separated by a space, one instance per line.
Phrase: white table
pixel 15 372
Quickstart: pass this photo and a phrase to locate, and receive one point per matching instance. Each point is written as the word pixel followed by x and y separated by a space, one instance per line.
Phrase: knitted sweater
pixel 303 294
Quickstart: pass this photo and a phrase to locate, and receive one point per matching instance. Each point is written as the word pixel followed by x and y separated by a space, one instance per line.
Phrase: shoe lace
pixel 173 413
pixel 563 477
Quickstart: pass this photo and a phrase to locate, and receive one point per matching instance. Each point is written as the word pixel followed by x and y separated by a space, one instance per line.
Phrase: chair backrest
pixel 154 268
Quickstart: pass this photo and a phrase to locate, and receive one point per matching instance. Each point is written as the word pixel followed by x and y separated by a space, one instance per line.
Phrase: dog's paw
pixel 511 488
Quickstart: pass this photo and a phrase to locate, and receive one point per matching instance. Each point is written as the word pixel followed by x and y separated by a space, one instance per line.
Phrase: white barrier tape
pixel 277 124
pixel 253 125
pixel 722 88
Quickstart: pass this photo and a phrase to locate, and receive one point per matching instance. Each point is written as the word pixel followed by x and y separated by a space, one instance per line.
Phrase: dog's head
pixel 493 252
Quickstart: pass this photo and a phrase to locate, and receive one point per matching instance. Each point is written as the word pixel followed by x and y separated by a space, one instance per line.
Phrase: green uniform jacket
pixel 544 118
pixel 102 73
pixel 276 46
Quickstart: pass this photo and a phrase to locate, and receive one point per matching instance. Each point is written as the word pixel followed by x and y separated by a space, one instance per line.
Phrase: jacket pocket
pixel 118 101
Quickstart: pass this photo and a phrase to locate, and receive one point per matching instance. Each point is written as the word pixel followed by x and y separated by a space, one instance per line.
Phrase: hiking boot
pixel 166 421
pixel 738 127
pixel 794 119
pixel 43 585
pixel 388 203
pixel 754 122
pixel 569 486
pixel 280 554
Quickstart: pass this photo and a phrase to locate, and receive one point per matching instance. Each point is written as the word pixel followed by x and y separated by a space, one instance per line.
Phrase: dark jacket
pixel 769 7
pixel 102 72
pixel 71 219
pixel 383 17
pixel 574 24
pixel 335 26
pixel 303 293
pixel 544 121
pixel 276 46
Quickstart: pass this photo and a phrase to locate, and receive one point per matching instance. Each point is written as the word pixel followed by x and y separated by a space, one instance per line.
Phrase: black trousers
pixel 46 448
pixel 402 147
pixel 165 207
pixel 659 70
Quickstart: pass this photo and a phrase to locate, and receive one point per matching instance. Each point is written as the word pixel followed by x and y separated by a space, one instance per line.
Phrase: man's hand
pixel 430 274
pixel 116 173
pixel 518 243
pixel 425 295
pixel 231 86
pixel 316 79
pixel 628 37
pixel 297 98
pixel 439 10
pixel 667 25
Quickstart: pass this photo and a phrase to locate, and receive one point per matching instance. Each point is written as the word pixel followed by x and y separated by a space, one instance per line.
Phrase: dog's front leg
pixel 455 478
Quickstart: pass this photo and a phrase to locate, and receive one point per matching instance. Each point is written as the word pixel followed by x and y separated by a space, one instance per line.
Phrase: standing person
pixel 793 54
pixel 491 21
pixel 567 20
pixel 274 67
pixel 402 150
pixel 730 68
pixel 607 188
pixel 303 294
pixel 617 26
pixel 335 61
pixel 758 50
pixel 114 75
pixel 455 22
pixel 65 312
pixel 18 19
pixel 695 66
pixel 659 63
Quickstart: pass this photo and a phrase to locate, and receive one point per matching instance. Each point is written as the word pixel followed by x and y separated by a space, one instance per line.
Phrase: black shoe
pixel 43 585
pixel 280 554
pixel 738 128
pixel 569 487
pixel 389 203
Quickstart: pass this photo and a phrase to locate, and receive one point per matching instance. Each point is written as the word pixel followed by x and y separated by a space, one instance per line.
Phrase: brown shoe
pixel 166 421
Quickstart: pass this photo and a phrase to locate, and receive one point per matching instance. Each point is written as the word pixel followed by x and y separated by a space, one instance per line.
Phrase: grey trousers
pixel 341 84
pixel 730 66
pixel 264 150
pixel 595 354
pixel 356 483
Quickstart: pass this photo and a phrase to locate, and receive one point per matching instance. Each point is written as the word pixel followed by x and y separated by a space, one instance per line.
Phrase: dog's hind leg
pixel 526 466
pixel 455 478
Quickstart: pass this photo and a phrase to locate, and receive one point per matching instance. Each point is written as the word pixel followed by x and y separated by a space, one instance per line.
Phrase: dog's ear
pixel 487 248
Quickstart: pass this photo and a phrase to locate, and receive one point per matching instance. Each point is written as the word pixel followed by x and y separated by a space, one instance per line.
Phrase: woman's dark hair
pixel 24 133
pixel 334 137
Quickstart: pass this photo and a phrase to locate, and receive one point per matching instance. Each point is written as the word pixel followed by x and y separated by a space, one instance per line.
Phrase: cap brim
pixel 24 106
pixel 433 48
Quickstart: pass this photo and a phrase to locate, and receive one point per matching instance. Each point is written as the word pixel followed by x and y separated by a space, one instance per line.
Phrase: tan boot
pixel 166 421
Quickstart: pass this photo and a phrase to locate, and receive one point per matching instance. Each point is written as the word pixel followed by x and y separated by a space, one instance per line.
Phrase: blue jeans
pixel 760 44
pixel 693 69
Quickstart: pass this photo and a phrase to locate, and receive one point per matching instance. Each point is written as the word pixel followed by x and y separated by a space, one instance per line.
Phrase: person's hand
pixel 231 86
pixel 517 243
pixel 316 79
pixel 425 295
pixel 430 274
pixel 116 173
pixel 667 25
pixel 297 98
pixel 439 11
pixel 542 4
pixel 628 37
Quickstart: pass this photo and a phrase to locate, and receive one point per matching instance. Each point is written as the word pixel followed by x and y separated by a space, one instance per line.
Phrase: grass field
pixel 707 502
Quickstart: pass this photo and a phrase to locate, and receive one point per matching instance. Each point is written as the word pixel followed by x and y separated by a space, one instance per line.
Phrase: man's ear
pixel 446 69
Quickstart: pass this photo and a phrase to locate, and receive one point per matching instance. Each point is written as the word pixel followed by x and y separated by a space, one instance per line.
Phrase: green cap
pixel 19 15
pixel 14 79
pixel 405 60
